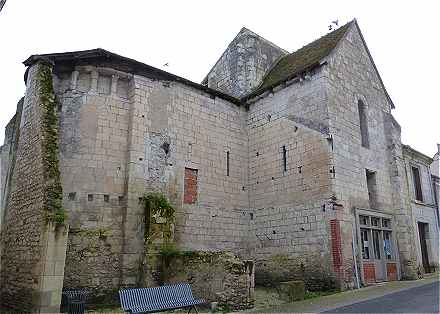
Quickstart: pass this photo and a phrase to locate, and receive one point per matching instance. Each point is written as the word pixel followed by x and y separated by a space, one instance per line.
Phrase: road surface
pixel 422 299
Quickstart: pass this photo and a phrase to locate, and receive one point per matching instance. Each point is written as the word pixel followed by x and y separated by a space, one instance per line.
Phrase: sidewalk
pixel 345 298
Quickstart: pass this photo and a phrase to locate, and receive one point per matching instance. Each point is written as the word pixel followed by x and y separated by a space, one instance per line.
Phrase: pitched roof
pixel 304 58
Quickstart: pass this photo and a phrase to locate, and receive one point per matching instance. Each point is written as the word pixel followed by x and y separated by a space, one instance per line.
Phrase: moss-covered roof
pixel 303 59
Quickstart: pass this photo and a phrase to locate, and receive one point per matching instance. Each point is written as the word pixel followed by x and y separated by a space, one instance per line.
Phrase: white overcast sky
pixel 403 37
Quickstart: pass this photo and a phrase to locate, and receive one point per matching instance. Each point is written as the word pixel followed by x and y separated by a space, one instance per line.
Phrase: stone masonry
pixel 291 160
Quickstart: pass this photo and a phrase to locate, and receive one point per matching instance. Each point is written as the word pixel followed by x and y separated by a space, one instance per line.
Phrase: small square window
pixel 375 221
pixel 106 198
pixel 364 220
pixel 386 223
pixel 71 196
pixel 121 200
pixel 90 197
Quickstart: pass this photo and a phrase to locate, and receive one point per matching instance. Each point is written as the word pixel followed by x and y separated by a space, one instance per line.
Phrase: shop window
pixel 376 243
pixel 387 244
pixel 365 244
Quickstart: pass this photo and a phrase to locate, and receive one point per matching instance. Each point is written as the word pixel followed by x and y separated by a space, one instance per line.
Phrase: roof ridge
pixel 325 35
pixel 301 59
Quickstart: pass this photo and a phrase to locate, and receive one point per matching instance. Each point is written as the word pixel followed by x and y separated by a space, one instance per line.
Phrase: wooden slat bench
pixel 158 299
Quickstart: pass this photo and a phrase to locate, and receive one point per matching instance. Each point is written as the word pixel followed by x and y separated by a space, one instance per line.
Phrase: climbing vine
pixel 158 225
pixel 157 209
pixel 48 105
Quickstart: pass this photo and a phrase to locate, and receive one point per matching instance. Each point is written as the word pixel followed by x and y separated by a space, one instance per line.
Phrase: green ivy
pixel 48 104
pixel 157 205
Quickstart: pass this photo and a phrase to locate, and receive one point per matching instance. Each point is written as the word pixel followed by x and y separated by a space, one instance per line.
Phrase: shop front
pixel 377 246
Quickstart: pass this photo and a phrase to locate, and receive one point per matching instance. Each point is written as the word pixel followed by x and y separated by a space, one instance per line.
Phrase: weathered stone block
pixel 291 290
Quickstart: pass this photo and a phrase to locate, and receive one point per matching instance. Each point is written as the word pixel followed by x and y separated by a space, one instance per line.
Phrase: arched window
pixel 363 123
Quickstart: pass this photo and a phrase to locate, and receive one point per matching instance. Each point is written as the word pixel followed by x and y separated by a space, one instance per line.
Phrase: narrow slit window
pixel 417 184
pixel 284 158
pixel 372 188
pixel 227 164
pixel 363 123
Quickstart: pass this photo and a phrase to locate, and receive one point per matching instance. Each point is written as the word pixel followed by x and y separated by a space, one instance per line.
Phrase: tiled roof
pixel 303 59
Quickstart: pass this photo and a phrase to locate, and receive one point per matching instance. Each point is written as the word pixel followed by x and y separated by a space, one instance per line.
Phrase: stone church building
pixel 285 159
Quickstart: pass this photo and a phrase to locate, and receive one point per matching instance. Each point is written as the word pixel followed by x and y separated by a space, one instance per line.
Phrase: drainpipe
pixel 353 247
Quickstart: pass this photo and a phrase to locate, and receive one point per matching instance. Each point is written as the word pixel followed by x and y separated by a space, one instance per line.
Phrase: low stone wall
pixel 314 270
pixel 214 276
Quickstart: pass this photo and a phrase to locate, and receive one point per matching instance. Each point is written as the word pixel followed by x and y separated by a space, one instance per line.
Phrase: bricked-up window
pixel 284 158
pixel 363 124
pixel 227 164
pixel 417 184
pixel 190 186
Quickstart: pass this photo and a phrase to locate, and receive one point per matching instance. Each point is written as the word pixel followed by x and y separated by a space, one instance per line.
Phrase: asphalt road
pixel 422 299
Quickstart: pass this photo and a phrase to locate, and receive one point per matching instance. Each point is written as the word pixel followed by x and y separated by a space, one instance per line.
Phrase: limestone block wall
pixel 124 135
pixel 33 247
pixel 93 151
pixel 353 78
pixel 292 199
pixel 243 65
pixel 402 201
pixel 214 276
pixel 180 127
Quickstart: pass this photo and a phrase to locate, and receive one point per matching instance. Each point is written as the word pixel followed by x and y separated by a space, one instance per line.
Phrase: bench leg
pixel 193 307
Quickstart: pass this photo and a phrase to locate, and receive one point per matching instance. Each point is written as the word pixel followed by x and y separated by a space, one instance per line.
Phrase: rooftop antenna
pixel 333 25
pixel 2 3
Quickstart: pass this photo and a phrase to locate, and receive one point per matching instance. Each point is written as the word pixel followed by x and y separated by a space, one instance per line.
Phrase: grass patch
pixel 316 294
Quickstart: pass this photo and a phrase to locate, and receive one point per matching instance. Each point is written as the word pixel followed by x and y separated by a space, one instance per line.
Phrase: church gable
pixel 243 65
pixel 352 57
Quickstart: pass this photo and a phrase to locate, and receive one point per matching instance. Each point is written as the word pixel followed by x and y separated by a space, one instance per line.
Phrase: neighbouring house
pixel 293 162
pixel 424 208
pixel 435 172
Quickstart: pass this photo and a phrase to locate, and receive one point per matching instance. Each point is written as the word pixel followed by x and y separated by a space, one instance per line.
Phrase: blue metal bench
pixel 76 300
pixel 158 299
